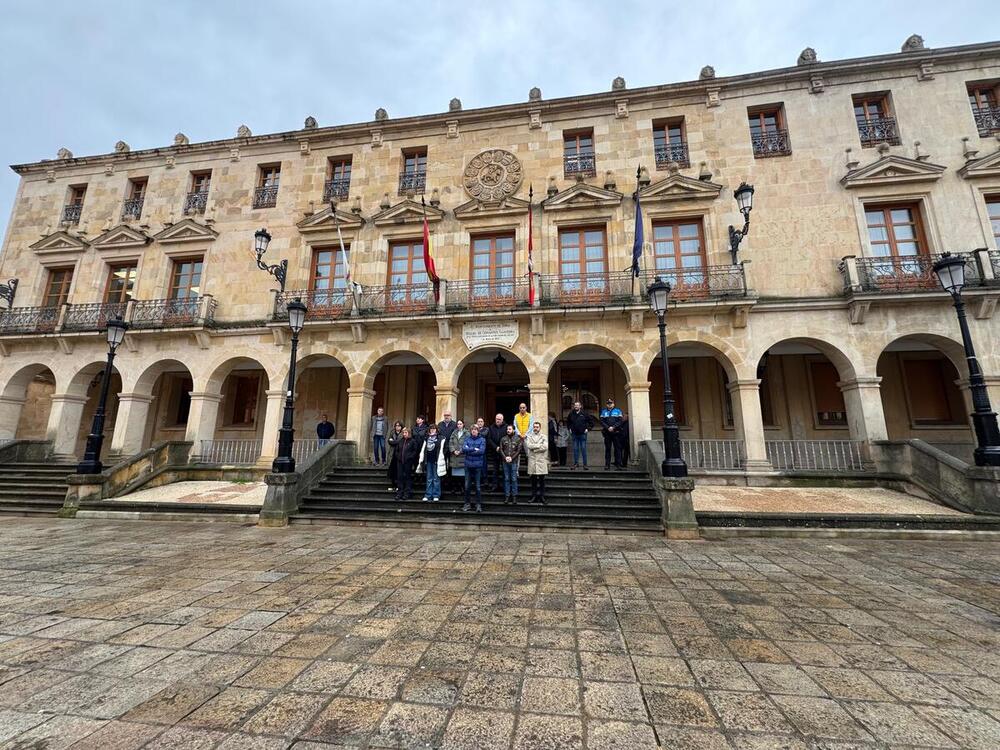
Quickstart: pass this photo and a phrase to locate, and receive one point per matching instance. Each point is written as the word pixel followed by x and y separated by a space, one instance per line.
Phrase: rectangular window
pixel 993 211
pixel 583 265
pixel 827 397
pixel 983 99
pixel 338 179
pixel 413 177
pixel 931 391
pixel 874 120
pixel 132 206
pixel 670 144
pixel 768 134
pixel 329 282
pixel 121 281
pixel 200 182
pixel 895 230
pixel 492 272
pixel 245 392
pixel 679 256
pixel 268 182
pixel 186 280
pixel 408 280
pixel 74 204
pixel 578 153
pixel 76 195
pixel 137 187
pixel 181 400
pixel 57 287
pixel 196 200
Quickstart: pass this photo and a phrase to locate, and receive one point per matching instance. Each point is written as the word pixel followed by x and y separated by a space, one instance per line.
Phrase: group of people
pixel 472 458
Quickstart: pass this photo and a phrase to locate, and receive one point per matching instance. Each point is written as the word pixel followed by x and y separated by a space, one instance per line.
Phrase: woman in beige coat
pixel 538 462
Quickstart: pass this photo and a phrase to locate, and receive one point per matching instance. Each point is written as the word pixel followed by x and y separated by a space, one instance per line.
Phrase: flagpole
pixel 428 261
pixel 531 261
pixel 636 238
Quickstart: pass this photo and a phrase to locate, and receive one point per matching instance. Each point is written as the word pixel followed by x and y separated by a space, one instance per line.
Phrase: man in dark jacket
pixel 611 422
pixel 445 429
pixel 474 449
pixel 419 431
pixel 580 424
pixel 325 430
pixel 494 433
pixel 407 454
pixel 553 430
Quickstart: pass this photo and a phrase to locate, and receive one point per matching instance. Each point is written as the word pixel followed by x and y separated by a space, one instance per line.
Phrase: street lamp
pixel 744 201
pixel 673 464
pixel 262 238
pixel 950 271
pixel 91 463
pixel 499 363
pixel 284 463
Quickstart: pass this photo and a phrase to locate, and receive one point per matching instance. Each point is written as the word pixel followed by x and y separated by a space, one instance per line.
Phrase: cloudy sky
pixel 85 74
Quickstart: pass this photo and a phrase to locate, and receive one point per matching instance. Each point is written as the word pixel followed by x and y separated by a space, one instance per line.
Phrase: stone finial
pixel 706 73
pixel 609 180
pixel 882 148
pixel 673 167
pixel 552 188
pixel 850 160
pixel 704 173
pixel 618 84
pixel 435 197
pixel 381 114
pixel 535 95
pixel 807 57
pixel 64 153
pixel 918 153
pixel 356 206
pixel 243 132
pixel 121 147
pixel 967 150
pixel 913 43
pixel 385 202
pixel 455 105
pixel 643 177
pixel 310 123
pixel 181 140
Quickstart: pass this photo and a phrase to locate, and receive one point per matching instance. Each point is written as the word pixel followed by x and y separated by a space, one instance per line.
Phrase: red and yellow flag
pixel 531 247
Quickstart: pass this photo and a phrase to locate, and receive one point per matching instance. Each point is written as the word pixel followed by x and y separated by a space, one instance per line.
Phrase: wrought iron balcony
pixel 878 130
pixel 987 120
pixel 490 294
pixel 21 320
pixel 71 213
pixel 172 313
pixel 672 153
pixel 770 143
pixel 132 208
pixel 994 256
pixel 620 288
pixel 412 182
pixel 400 299
pixel 337 190
pixel 895 275
pixel 584 165
pixel 93 316
pixel 323 304
pixel 196 202
pixel 265 197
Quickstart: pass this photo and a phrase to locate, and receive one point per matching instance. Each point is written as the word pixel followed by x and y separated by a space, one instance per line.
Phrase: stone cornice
pixel 670 92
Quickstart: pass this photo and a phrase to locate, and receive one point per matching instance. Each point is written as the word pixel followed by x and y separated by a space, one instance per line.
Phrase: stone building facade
pixel 825 332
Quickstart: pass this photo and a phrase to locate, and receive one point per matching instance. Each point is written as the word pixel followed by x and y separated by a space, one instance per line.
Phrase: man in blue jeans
pixel 474 450
pixel 579 423
pixel 379 431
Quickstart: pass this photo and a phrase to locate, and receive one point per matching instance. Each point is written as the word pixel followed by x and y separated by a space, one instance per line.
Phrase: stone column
pixel 10 415
pixel 447 400
pixel 64 424
pixel 359 418
pixel 202 418
pixel 130 424
pixel 538 404
pixel 749 423
pixel 865 413
pixel 639 420
pixel 273 413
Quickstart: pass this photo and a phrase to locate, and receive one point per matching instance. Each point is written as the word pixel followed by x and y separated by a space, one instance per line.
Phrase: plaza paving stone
pixel 129 635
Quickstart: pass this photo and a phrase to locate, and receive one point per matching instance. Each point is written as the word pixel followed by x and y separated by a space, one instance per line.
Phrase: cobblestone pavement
pixel 813 500
pixel 118 635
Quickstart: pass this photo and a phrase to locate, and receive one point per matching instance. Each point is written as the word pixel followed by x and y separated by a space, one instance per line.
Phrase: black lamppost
pixel 262 238
pixel 673 464
pixel 744 200
pixel 950 270
pixel 284 463
pixel 499 362
pixel 91 463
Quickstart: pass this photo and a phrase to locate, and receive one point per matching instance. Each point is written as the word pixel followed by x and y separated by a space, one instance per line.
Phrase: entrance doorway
pixel 504 399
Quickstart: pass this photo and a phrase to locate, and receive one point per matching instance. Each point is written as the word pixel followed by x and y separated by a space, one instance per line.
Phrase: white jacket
pixel 442 462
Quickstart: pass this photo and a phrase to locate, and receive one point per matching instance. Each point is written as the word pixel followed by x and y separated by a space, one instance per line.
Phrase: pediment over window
pixel 121 236
pixel 986 166
pixel 187 230
pixel 892 170
pixel 582 195
pixel 478 210
pixel 406 212
pixel 323 221
pixel 59 242
pixel 677 187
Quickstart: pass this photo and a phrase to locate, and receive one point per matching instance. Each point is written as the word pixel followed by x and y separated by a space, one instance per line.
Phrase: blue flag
pixel 637 245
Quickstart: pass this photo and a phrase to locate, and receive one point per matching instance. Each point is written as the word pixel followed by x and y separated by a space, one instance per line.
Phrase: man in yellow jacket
pixel 522 421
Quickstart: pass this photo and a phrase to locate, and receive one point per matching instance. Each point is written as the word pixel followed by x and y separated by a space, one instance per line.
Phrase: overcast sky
pixel 85 74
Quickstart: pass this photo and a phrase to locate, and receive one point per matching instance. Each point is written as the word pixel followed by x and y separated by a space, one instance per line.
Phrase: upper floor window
pixel 338 179
pixel 768 133
pixel 875 121
pixel 583 265
pixel 413 177
pixel 408 280
pixel 268 180
pixel 121 282
pixel 132 206
pixel 983 99
pixel 670 144
pixel 679 255
pixel 185 282
pixel 74 204
pixel 197 199
pixel 329 280
pixel 578 153
pixel 993 211
pixel 896 230
pixel 57 287
pixel 492 273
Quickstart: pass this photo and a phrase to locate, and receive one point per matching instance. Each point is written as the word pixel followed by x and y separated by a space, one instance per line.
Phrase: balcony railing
pixel 323 304
pixel 707 282
pixel 400 299
pixel 771 143
pixel 878 130
pixel 492 294
pixel 987 120
pixel 71 213
pixel 898 275
pixel 243 452
pixel 93 316
pixel 195 203
pixel 131 208
pixel 995 263
pixel 337 190
pixel 590 290
pixel 584 165
pixel 815 455
pixel 265 197
pixel 29 320
pixel 672 153
pixel 712 454
pixel 172 313
pixel 412 182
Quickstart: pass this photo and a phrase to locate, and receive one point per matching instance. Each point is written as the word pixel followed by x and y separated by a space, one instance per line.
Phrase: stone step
pixel 609 494
pixel 450 505
pixel 170 507
pixel 891 521
pixel 33 492
pixel 488 517
pixel 597 499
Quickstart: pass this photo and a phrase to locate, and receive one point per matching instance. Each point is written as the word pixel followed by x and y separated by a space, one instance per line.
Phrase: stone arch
pixel 82 377
pixel 455 368
pixel 731 359
pixel 724 359
pixel 846 362
pixel 147 378
pixel 951 348
pixel 377 358
pixel 631 367
pixel 17 383
pixel 24 409
pixel 218 374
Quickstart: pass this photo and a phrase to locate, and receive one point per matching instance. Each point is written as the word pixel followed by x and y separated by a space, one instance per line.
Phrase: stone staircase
pixel 33 489
pixel 621 501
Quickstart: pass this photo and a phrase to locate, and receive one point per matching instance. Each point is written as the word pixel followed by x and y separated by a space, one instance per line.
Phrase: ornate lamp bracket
pixel 7 292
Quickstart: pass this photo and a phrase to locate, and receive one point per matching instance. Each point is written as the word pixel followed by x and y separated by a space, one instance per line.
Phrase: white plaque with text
pixel 486 333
